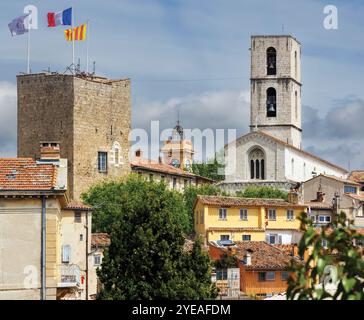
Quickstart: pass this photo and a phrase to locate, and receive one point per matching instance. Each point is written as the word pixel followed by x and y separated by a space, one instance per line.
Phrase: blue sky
pixel 205 42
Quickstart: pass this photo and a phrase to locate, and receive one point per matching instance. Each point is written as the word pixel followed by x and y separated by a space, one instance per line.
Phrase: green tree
pixel 146 258
pixel 262 192
pixel 335 267
pixel 112 200
pixel 212 169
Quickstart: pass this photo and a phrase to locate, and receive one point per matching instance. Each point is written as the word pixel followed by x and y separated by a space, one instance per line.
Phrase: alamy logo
pixel 32 19
pixel 331 21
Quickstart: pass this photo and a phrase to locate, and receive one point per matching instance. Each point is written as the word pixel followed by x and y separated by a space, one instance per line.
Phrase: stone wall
pixel 86 115
pixel 287 124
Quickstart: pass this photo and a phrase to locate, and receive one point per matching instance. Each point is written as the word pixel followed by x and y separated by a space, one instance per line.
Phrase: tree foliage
pixel 112 200
pixel 212 169
pixel 146 258
pixel 262 192
pixel 335 267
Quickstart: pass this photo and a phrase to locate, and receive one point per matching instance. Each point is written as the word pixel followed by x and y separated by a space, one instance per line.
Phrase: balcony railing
pixel 69 275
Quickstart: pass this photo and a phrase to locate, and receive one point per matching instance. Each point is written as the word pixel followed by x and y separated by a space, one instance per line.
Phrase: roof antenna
pixel 94 68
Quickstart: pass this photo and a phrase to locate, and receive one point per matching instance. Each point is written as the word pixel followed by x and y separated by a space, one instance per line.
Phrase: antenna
pixel 94 68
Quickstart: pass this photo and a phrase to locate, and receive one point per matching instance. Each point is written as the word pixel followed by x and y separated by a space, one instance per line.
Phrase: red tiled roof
pixel 100 240
pixel 359 197
pixel 357 176
pixel 263 255
pixel 148 164
pixel 319 205
pixel 26 175
pixel 239 201
pixel 75 205
pixel 286 248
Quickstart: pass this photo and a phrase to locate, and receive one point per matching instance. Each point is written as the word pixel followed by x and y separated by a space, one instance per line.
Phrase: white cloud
pixel 7 119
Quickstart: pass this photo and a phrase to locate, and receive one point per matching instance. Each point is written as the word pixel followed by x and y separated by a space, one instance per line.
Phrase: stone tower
pixel 276 87
pixel 88 116
pixel 178 151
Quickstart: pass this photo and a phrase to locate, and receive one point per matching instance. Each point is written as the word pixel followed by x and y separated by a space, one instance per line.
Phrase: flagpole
pixel 73 41
pixel 87 35
pixel 28 51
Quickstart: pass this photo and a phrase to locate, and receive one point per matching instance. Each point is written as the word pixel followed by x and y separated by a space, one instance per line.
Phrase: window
pixel 313 218
pixel 97 259
pixel 246 237
pixel 81 237
pixel 324 219
pixel 221 274
pixel 174 183
pixel 117 156
pixel 274 238
pixel 271 276
pixel 350 189
pixel 102 161
pixel 78 217
pixel 295 63
pixel 271 61
pixel 243 214
pixel 257 164
pixel 272 215
pixel 292 167
pixel 162 178
pixel 261 276
pixel 324 243
pixel 66 253
pixel 185 183
pixel 222 214
pixel 290 215
pixel 296 105
pixel 202 217
pixel 284 275
pixel 271 102
pixel 224 237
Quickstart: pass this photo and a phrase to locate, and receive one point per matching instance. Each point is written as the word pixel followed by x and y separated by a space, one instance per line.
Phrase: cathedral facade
pixel 271 154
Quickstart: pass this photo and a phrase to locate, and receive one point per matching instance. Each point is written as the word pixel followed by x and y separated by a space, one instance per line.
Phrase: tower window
pixel 102 161
pixel 296 104
pixel 271 102
pixel 295 63
pixel 271 61
pixel 257 164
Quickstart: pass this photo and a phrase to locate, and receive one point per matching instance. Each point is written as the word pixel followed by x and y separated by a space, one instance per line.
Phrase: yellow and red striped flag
pixel 79 33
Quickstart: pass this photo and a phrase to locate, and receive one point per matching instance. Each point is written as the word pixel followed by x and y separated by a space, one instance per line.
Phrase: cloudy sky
pixel 194 55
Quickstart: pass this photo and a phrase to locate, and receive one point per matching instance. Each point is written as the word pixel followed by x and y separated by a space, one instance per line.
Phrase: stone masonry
pixel 86 115
pixel 286 126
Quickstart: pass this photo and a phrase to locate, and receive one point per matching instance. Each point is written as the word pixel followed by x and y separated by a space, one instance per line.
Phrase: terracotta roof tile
pixel 25 174
pixel 319 205
pixel 75 205
pixel 239 201
pixel 357 176
pixel 263 255
pixel 100 240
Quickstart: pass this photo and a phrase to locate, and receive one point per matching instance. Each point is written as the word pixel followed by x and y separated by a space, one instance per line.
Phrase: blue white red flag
pixel 62 18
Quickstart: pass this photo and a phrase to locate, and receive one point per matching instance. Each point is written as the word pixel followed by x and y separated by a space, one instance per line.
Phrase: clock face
pixel 175 163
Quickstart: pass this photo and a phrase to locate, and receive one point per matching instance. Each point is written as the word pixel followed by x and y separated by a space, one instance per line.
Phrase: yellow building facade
pixel 244 219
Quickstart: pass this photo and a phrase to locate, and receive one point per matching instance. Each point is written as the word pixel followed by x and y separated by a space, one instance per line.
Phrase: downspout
pixel 43 249
pixel 87 231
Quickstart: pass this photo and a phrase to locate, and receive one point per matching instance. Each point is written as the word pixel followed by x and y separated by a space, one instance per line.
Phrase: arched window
pixel 252 170
pixel 271 61
pixel 304 171
pixel 257 169
pixel 292 167
pixel 271 102
pixel 257 164
pixel 296 104
pixel 115 152
pixel 295 64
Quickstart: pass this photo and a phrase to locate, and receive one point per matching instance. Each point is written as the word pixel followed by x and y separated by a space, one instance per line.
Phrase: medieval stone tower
pixel 276 87
pixel 88 116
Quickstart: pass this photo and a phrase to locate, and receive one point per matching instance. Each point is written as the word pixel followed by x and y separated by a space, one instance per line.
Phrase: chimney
pixel 293 197
pixel 50 151
pixel 248 258
pixel 320 196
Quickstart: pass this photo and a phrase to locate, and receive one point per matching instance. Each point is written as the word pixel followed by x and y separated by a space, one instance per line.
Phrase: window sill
pixel 222 219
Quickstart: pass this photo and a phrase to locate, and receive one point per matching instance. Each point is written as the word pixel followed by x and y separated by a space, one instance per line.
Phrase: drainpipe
pixel 43 249
pixel 87 231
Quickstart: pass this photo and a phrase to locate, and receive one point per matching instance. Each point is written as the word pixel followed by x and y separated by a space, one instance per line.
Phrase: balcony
pixel 69 276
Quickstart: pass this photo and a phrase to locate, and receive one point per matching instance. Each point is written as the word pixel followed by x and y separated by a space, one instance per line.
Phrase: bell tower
pixel 276 87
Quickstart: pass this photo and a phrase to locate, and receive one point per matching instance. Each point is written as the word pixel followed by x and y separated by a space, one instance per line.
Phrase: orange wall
pixel 250 284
